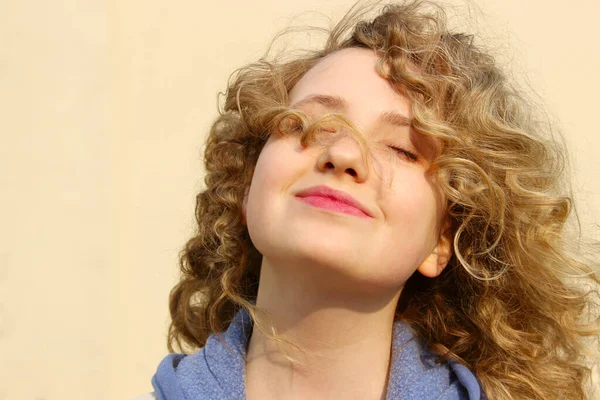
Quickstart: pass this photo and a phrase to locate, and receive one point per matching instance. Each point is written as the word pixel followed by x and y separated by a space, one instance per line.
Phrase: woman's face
pixel 397 231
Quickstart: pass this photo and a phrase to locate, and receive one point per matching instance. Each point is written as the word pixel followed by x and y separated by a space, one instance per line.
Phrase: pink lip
pixel 331 199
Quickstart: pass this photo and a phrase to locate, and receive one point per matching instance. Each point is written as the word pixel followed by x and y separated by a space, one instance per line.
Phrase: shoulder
pixel 147 396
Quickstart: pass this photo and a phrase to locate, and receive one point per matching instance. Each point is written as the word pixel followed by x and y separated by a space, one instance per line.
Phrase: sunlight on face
pixel 401 210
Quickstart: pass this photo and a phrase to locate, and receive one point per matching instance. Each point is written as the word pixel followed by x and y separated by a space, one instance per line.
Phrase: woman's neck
pixel 345 338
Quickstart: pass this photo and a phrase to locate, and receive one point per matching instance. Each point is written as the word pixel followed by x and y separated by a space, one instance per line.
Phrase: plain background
pixel 104 107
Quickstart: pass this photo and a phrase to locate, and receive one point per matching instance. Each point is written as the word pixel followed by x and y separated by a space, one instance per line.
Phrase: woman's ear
pixel 435 262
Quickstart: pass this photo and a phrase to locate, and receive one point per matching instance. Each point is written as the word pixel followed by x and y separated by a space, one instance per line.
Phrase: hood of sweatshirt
pixel 217 371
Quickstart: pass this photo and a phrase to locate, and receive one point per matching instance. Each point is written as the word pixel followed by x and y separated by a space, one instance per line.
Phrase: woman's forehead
pixel 350 76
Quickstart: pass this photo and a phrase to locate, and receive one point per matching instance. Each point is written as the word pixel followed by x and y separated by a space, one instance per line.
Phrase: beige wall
pixel 56 194
pixel 104 107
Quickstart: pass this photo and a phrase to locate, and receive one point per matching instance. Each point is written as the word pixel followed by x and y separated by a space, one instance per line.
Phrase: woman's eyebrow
pixel 394 118
pixel 337 103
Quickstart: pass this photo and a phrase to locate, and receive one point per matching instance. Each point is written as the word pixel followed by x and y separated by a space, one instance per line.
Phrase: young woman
pixel 382 219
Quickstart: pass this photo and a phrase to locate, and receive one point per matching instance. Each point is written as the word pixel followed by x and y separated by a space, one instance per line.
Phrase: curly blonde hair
pixel 512 304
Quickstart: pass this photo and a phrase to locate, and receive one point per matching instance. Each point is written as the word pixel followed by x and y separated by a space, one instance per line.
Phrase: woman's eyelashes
pixel 409 155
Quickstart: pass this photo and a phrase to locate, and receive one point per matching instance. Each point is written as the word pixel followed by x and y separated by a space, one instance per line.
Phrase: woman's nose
pixel 344 156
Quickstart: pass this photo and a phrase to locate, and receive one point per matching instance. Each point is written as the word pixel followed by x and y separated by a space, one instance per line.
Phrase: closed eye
pixel 411 156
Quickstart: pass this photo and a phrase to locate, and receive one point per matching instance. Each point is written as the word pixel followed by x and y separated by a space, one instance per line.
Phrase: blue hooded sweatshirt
pixel 218 373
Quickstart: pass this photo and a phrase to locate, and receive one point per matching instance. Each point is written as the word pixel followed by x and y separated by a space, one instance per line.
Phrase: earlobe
pixel 435 262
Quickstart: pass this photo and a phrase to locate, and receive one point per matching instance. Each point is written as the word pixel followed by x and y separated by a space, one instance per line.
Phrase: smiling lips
pixel 331 199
